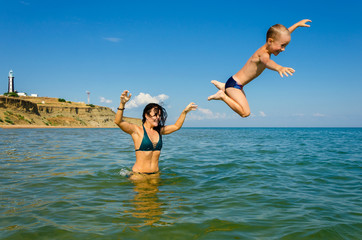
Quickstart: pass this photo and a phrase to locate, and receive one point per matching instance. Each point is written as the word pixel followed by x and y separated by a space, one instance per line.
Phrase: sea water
pixel 215 183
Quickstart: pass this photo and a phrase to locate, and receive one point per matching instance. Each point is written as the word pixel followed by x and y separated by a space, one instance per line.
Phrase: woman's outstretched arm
pixel 180 121
pixel 125 126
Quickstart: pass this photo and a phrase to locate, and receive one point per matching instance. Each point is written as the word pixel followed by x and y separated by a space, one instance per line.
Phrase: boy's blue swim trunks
pixel 232 83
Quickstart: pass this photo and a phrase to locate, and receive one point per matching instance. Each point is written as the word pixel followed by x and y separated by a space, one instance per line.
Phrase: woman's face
pixel 154 117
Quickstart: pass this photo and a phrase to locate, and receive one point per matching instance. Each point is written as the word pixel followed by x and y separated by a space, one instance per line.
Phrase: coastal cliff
pixel 49 112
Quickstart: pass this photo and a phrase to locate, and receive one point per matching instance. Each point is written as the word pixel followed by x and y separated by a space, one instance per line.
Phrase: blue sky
pixel 169 51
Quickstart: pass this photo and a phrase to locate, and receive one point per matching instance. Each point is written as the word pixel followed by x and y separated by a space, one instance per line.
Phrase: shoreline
pixel 42 126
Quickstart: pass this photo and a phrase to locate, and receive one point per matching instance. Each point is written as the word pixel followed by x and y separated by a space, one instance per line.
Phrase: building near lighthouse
pixel 11 88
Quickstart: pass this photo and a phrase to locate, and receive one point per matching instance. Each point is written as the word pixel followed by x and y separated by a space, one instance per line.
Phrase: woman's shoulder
pixel 138 128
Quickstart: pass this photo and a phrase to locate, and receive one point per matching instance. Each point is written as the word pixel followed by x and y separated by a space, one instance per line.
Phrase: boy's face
pixel 279 43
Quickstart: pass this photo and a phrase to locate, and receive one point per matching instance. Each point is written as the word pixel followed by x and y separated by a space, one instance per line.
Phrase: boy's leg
pixel 218 84
pixel 236 100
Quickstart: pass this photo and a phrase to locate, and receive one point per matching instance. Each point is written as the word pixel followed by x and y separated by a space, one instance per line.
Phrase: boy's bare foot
pixel 217 96
pixel 219 85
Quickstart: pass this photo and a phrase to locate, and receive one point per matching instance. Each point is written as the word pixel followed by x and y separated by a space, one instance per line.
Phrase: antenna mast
pixel 88 93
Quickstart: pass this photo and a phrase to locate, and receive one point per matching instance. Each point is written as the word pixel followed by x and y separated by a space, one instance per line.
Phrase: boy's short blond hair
pixel 275 30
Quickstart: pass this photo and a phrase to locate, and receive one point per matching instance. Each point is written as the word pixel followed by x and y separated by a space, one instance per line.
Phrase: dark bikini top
pixel 146 144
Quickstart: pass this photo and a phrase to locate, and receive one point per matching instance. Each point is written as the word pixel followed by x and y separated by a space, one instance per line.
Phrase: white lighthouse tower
pixel 11 82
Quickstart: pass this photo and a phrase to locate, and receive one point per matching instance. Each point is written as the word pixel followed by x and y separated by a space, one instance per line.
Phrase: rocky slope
pixel 44 111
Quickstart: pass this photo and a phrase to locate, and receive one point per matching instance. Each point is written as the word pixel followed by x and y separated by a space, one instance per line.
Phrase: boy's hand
pixel 286 71
pixel 299 24
pixel 303 23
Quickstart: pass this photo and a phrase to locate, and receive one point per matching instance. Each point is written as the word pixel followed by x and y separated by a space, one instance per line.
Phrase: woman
pixel 148 137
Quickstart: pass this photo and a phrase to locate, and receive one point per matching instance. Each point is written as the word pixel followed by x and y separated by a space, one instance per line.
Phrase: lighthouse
pixel 11 82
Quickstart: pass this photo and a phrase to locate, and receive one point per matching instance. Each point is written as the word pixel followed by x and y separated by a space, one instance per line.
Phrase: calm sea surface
pixel 227 183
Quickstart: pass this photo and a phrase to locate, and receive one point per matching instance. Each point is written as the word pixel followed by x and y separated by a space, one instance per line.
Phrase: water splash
pixel 125 172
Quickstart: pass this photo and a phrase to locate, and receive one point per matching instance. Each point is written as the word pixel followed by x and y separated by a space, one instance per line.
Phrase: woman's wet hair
pixel 158 108
pixel 275 30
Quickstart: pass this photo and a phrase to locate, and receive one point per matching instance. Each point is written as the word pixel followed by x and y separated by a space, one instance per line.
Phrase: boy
pixel 232 92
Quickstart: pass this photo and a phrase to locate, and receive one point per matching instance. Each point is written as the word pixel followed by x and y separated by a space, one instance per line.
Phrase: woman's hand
pixel 180 121
pixel 125 126
pixel 191 107
pixel 125 97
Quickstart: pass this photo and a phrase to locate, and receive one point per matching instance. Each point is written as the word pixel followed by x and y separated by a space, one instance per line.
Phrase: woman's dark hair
pixel 158 108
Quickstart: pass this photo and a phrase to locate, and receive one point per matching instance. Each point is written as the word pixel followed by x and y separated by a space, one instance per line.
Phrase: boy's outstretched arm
pixel 270 64
pixel 299 24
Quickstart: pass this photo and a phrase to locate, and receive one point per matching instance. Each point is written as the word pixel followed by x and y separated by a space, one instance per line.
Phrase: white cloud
pixel 318 115
pixel 204 113
pixel 103 100
pixel 112 39
pixel 145 98
pixel 308 115
pixel 262 114
pixel 259 114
